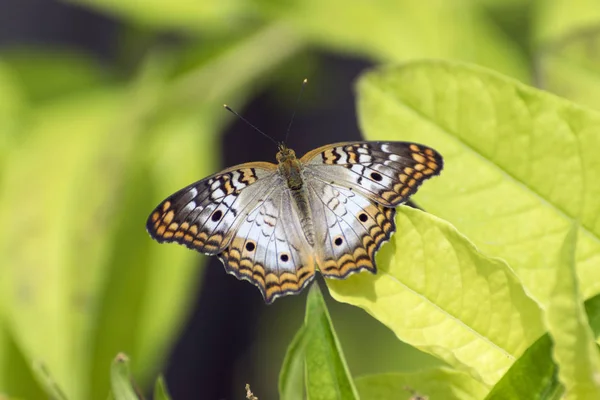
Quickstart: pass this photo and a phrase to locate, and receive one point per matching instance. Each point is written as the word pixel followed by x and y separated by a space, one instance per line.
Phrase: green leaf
pixel 160 390
pixel 198 16
pixel 327 375
pixel 46 290
pixel 532 376
pixel 455 303
pixel 437 383
pixel 571 67
pixel 44 74
pixel 120 379
pixel 291 376
pixel 52 389
pixel 17 378
pixel 556 19
pixel 404 30
pixel 574 349
pixel 521 161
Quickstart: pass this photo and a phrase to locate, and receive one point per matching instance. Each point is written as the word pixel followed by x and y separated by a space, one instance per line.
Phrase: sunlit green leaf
pixel 436 292
pixel 120 379
pixel 327 375
pixel 291 376
pixel 17 378
pixel 520 164
pixel 47 289
pixel 402 30
pixel 574 348
pixel 438 383
pixel 160 390
pixel 52 389
pixel 182 14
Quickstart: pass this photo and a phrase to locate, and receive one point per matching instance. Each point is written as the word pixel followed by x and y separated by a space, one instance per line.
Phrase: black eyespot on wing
pixel 376 176
pixel 284 257
pixel 338 241
pixel 216 215
pixel 363 217
pixel 250 246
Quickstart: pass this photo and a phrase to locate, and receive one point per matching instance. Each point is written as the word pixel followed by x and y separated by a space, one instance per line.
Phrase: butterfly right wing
pixel 386 172
pixel 350 228
pixel 204 216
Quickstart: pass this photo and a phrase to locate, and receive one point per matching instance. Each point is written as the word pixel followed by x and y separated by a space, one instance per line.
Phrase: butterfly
pixel 275 224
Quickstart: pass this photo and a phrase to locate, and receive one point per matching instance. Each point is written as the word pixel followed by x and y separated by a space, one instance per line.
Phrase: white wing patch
pixel 269 249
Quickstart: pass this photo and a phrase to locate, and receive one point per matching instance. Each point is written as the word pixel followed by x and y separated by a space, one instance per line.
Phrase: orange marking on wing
pixel 418 158
pixel 169 217
pixel 166 206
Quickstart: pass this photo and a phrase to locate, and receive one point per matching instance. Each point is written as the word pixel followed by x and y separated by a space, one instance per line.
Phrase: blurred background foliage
pixel 107 107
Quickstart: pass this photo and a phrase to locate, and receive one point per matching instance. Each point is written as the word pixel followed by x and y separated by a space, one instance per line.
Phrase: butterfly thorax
pixel 290 169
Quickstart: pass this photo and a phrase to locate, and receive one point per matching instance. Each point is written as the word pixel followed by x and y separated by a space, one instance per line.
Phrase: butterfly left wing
pixel 269 249
pixel 204 215
pixel 385 172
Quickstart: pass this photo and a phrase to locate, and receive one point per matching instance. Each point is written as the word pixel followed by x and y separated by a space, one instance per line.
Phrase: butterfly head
pixel 285 154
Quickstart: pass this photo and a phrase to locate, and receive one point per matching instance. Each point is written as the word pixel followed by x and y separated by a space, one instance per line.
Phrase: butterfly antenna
pixel 304 82
pixel 246 121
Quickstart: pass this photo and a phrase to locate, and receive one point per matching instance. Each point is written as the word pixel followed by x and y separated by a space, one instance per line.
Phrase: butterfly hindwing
pixel 204 215
pixel 386 172
pixel 350 228
pixel 269 249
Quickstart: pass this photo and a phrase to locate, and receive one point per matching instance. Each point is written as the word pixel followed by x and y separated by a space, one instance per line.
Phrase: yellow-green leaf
pixel 436 292
pixel 574 349
pixel 120 379
pixel 437 383
pixel 520 164
pixel 160 390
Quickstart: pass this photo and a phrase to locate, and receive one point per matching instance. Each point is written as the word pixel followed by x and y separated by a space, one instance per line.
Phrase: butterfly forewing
pixel 386 172
pixel 205 215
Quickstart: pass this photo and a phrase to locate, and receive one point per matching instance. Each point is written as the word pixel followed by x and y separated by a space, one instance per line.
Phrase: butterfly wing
pixel 385 172
pixel 204 216
pixel 354 188
pixel 269 249
pixel 349 227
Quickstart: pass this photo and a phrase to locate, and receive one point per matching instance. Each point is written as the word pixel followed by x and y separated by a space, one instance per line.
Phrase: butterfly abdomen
pixel 302 204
